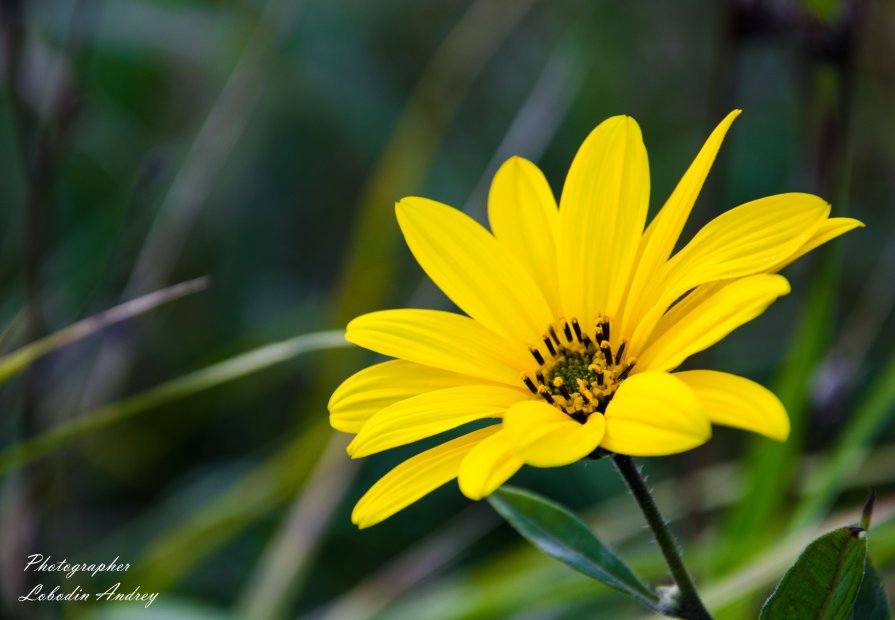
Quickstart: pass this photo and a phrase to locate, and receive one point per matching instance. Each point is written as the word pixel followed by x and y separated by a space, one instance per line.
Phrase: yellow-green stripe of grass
pixel 20 359
pixel 197 381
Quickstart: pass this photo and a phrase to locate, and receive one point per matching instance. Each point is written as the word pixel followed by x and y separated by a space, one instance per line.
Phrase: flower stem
pixel 691 606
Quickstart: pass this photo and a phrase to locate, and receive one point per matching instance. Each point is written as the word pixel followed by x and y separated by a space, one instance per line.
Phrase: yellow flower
pixel 575 319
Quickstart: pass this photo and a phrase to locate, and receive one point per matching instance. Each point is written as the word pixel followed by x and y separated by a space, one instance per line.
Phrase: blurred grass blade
pixel 12 329
pixel 543 111
pixel 214 142
pixel 407 160
pixel 208 377
pixel 770 466
pixel 563 536
pixel 824 581
pixel 842 462
pixel 175 552
pixel 288 554
pixel 872 603
pixel 411 568
pixel 174 607
pixel 19 360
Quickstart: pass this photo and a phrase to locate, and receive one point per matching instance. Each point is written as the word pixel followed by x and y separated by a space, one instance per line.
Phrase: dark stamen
pixel 626 371
pixel 553 335
pixel 577 329
pixel 529 384
pixel 606 348
pixel 600 330
pixel 564 391
pixel 621 350
pixel 537 355
pixel 574 361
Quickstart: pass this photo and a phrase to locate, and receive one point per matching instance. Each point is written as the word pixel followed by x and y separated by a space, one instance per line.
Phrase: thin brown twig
pixel 29 353
pixel 40 145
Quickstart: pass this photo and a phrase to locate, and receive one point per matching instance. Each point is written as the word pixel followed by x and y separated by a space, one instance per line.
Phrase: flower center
pixel 578 373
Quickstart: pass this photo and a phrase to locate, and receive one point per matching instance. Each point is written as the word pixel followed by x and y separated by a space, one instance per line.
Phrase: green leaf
pixel 824 581
pixel 872 603
pixel 563 536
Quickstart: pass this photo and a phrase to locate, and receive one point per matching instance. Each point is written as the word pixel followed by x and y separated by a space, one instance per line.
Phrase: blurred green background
pixel 262 145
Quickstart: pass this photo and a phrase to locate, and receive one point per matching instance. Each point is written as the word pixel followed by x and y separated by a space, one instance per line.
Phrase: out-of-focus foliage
pixel 262 143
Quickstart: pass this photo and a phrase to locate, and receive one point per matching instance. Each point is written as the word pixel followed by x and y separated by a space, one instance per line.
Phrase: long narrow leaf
pixel 19 360
pixel 206 378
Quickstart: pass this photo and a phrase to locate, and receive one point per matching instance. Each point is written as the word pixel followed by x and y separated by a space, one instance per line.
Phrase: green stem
pixel 691 606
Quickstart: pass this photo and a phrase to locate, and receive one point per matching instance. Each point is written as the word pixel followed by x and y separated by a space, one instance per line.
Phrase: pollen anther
pixel 529 384
pixel 553 335
pixel 581 374
pixel 567 331
pixel 537 355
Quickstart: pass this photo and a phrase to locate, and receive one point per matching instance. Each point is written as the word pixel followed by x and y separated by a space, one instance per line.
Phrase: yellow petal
pixel 602 212
pixel 745 240
pixel 441 339
pixel 374 388
pixel 730 400
pixel 653 414
pixel 706 316
pixel 431 413
pixel 487 466
pixel 827 231
pixel 415 478
pixel 544 436
pixel 523 215
pixel 663 232
pixel 749 239
pixel 474 270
